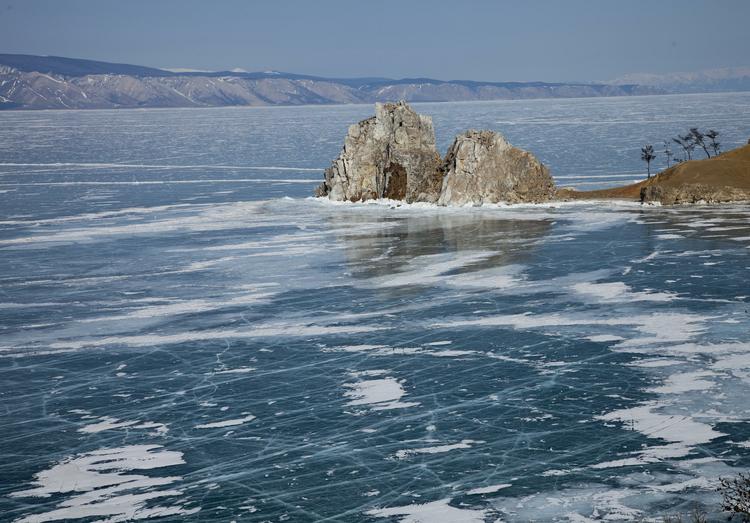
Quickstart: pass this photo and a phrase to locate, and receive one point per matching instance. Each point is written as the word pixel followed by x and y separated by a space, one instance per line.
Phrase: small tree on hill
pixel 667 153
pixel 647 154
pixel 690 144
pixel 687 144
pixel 714 144
pixel 698 139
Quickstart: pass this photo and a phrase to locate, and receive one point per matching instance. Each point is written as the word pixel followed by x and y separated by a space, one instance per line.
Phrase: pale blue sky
pixel 551 40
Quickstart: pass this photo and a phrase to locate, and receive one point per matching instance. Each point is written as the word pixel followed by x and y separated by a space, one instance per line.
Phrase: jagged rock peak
pixel 482 167
pixel 391 155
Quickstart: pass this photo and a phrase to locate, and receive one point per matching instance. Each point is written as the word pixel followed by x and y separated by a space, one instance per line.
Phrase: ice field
pixel 187 335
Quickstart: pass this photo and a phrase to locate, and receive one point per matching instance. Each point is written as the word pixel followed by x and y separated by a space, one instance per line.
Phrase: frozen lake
pixel 186 335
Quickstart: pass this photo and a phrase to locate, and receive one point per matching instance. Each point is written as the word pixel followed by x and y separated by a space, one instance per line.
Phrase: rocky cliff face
pixel 692 193
pixel 392 155
pixel 482 167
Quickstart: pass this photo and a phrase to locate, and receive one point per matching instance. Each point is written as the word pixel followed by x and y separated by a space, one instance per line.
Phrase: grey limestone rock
pixel 392 155
pixel 482 167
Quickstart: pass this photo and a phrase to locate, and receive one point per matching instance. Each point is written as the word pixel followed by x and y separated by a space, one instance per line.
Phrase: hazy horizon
pixel 578 41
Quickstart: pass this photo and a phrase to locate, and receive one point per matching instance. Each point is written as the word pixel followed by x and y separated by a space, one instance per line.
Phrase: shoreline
pixel 613 202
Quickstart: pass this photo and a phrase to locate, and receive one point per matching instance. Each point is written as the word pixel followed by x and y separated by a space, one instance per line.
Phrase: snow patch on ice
pixel 99 484
pixel 670 427
pixel 379 394
pixel 437 449
pixel 489 490
pixel 226 423
pixel 618 292
pixel 435 512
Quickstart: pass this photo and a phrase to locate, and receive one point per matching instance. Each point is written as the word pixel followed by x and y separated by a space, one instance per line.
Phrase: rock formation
pixel 482 167
pixel 393 155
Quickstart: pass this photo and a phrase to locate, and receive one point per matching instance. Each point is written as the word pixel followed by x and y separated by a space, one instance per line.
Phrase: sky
pixel 502 40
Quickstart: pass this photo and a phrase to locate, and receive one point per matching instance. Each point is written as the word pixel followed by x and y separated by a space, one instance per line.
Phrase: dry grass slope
pixel 722 178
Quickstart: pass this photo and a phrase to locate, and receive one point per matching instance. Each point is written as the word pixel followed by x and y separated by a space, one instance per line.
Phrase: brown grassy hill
pixel 722 178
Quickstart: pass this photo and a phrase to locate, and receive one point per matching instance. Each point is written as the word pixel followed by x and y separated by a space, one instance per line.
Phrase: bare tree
pixel 667 152
pixel 697 516
pixel 687 144
pixel 736 494
pixel 647 154
pixel 715 145
pixel 679 142
pixel 698 139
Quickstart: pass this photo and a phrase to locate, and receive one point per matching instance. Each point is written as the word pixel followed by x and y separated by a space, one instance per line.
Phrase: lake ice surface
pixel 186 335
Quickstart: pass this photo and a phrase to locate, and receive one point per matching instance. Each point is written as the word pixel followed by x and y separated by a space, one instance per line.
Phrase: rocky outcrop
pixel 392 155
pixel 692 193
pixel 482 167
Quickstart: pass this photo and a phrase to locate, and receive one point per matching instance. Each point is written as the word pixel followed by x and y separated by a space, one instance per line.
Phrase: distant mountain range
pixel 52 82
pixel 711 80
